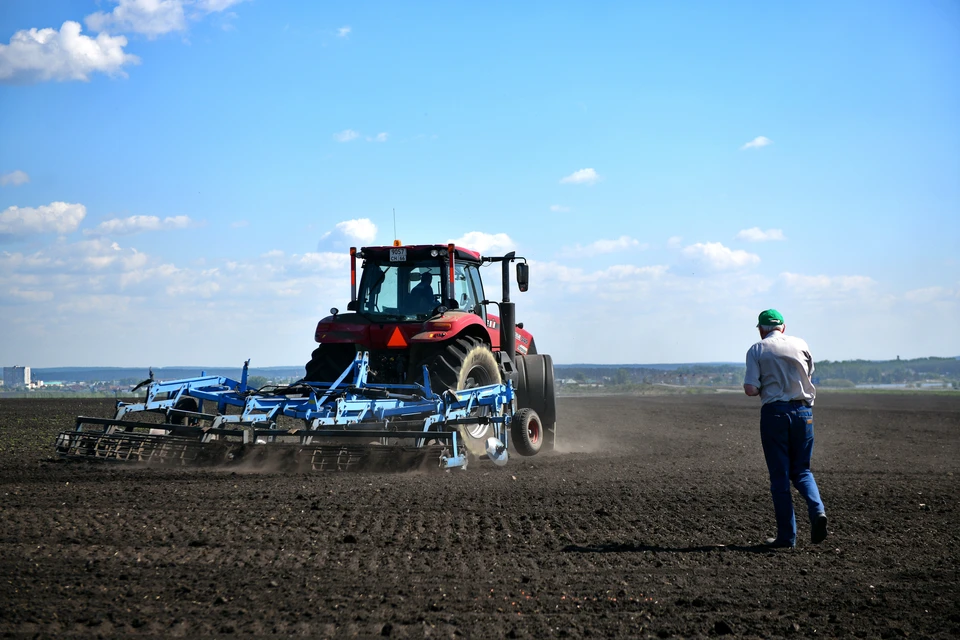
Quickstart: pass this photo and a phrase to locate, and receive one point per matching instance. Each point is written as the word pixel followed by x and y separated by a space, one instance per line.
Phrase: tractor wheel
pixel 329 361
pixel 526 431
pixel 535 390
pixel 464 363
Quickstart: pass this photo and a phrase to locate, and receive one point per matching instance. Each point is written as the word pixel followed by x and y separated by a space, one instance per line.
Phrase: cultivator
pixel 348 424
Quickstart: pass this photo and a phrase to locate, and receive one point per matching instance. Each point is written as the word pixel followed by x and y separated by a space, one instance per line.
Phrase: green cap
pixel 770 318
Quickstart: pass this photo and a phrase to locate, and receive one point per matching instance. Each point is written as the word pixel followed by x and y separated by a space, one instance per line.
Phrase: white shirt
pixel 781 367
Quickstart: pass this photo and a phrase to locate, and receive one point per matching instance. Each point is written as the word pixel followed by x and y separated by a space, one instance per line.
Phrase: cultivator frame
pixel 409 425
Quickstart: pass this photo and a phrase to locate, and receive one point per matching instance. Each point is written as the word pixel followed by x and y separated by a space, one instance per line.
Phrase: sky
pixel 181 180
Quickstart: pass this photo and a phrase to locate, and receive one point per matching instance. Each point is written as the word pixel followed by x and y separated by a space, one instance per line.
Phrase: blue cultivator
pixel 343 425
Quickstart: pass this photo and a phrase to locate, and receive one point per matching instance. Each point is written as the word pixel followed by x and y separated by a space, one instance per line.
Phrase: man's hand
pixel 751 390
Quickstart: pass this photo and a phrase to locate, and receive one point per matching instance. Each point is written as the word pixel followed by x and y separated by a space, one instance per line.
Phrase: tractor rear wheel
pixel 463 363
pixel 328 362
pixel 535 390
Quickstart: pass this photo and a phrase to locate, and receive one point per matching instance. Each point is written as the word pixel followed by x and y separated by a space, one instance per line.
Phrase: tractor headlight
pixel 434 253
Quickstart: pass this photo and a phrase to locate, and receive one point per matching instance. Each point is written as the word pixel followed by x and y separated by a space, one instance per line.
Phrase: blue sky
pixel 180 179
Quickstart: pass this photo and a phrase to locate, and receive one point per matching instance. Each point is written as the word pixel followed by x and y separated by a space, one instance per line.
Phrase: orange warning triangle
pixel 396 340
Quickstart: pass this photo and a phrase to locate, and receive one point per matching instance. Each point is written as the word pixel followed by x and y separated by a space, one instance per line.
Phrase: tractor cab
pixel 412 284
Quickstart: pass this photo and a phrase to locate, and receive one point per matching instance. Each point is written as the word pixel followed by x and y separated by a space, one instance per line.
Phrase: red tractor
pixel 424 305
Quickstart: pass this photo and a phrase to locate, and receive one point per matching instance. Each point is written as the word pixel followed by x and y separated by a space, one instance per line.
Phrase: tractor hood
pixel 359 329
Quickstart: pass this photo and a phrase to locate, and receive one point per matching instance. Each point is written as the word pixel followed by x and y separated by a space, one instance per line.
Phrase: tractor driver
pixel 422 296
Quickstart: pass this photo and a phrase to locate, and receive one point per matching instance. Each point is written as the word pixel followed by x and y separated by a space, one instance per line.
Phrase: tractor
pixel 417 373
pixel 420 310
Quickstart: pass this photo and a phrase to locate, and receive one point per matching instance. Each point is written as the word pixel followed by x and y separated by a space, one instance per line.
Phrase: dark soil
pixel 644 525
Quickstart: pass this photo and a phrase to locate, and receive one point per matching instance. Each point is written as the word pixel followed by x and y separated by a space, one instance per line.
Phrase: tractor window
pixel 476 287
pixel 463 289
pixel 402 291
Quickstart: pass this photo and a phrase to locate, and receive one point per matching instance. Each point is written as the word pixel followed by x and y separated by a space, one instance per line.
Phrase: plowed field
pixel 644 524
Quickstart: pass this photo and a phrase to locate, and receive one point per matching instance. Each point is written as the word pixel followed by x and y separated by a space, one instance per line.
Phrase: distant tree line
pixel 889 371
pixel 845 373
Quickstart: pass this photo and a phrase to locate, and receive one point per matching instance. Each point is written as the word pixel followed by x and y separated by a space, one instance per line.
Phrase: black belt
pixel 789 403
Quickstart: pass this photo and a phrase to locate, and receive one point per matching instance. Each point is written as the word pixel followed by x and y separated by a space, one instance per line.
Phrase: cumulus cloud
pixel 604 246
pixel 717 256
pixel 674 242
pixel 556 208
pixel 154 18
pixel 583 176
pixel 14 178
pixel 380 137
pixel 139 224
pixel 346 135
pixel 481 242
pixel 361 231
pixel 343 32
pixel 39 55
pixel 757 143
pixel 756 234
pixel 56 217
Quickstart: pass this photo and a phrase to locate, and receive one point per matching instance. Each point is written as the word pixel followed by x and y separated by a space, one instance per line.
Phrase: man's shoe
pixel 818 532
pixel 774 543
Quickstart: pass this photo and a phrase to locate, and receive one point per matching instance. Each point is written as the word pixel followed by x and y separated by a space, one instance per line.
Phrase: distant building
pixel 16 377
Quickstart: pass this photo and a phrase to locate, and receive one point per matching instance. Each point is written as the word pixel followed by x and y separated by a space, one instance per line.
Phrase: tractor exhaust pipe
pixel 508 313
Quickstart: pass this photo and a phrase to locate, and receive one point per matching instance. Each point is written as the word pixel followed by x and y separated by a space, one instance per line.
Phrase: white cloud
pixel 928 295
pixel 362 230
pixel 599 247
pixel 15 178
pixel 757 143
pixel 485 243
pixel 39 55
pixel 380 137
pixel 674 242
pixel 717 256
pixel 58 217
pixel 139 224
pixel 346 135
pixel 239 224
pixel 756 234
pixel 152 18
pixel 583 176
pixel 343 32
pixel 556 208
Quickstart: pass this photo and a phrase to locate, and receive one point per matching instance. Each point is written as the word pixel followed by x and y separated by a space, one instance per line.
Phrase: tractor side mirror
pixel 523 275
pixel 352 305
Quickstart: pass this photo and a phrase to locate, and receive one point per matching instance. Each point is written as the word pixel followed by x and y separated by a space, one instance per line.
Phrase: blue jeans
pixel 786 431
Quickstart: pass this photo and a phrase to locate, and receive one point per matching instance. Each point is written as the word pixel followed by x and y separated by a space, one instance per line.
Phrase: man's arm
pixel 751 378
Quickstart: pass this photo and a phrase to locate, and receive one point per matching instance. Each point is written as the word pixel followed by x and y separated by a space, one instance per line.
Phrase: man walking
pixel 779 370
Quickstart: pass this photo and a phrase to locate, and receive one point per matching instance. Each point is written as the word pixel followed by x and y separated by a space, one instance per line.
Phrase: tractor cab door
pixel 469 289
